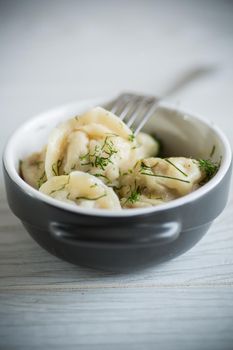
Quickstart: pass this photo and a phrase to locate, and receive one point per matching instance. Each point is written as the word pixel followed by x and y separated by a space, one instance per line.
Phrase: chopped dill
pixel 102 162
pixel 94 185
pixel 130 171
pixel 101 157
pixel 115 188
pixel 212 151
pixel 84 156
pixel 103 176
pixel 168 161
pixel 56 167
pixel 166 177
pixel 91 199
pixel 209 168
pixel 146 170
pixel 42 180
pixel 131 137
pixel 145 167
pixel 135 194
pixel 150 196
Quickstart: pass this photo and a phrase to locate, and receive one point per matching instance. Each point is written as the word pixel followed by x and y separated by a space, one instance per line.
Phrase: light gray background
pixel 53 52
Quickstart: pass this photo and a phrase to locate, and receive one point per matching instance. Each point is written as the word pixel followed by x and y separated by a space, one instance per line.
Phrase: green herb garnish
pixel 92 199
pixel 94 185
pixel 146 170
pixel 212 151
pixel 131 137
pixel 135 194
pixel 100 175
pixel 42 180
pixel 168 161
pixel 101 157
pixel 209 168
pixel 56 167
pixel 166 177
pixel 144 166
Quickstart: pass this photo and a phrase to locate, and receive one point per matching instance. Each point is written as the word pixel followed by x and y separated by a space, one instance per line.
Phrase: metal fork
pixel 135 110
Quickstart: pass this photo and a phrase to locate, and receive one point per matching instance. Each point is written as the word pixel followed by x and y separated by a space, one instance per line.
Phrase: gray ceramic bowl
pixel 129 239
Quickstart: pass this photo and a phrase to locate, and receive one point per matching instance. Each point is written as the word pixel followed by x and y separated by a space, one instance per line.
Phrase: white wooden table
pixel 57 51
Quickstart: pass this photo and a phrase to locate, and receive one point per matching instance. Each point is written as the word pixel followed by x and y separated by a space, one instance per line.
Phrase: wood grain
pixel 186 303
pixel 142 318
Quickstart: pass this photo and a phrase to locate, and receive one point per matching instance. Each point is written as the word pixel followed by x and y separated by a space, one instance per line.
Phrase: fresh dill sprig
pixel 150 196
pixel 212 151
pixel 101 162
pixel 135 194
pixel 166 177
pixel 115 188
pixel 41 180
pixel 94 185
pixel 101 157
pixel 168 161
pixel 146 170
pixel 145 167
pixel 56 167
pixel 209 167
pixel 92 199
pixel 131 137
pixel 101 175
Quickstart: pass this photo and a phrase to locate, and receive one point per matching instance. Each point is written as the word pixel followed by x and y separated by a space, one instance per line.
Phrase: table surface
pixel 53 52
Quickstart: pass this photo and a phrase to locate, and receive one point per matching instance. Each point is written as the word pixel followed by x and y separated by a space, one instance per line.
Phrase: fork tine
pixel 148 114
pixel 120 103
pixel 133 108
pixel 144 105
pixel 130 107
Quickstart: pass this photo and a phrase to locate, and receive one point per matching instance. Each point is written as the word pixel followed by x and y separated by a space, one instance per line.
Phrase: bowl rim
pixel 8 163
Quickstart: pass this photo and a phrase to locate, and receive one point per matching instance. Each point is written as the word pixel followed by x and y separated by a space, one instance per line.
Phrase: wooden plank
pixel 145 318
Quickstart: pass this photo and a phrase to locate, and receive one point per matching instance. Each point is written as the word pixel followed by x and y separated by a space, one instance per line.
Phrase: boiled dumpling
pixel 97 142
pixel 159 180
pixel 81 189
pixel 32 169
pixel 95 161
pixel 147 146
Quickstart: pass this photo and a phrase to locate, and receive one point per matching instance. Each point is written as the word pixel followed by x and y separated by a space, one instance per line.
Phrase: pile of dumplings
pixel 95 161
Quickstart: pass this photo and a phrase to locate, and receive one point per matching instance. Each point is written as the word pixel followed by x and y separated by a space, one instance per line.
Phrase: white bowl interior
pixel 181 135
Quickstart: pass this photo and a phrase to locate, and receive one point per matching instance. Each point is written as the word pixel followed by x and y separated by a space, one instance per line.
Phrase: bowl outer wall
pixel 191 214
